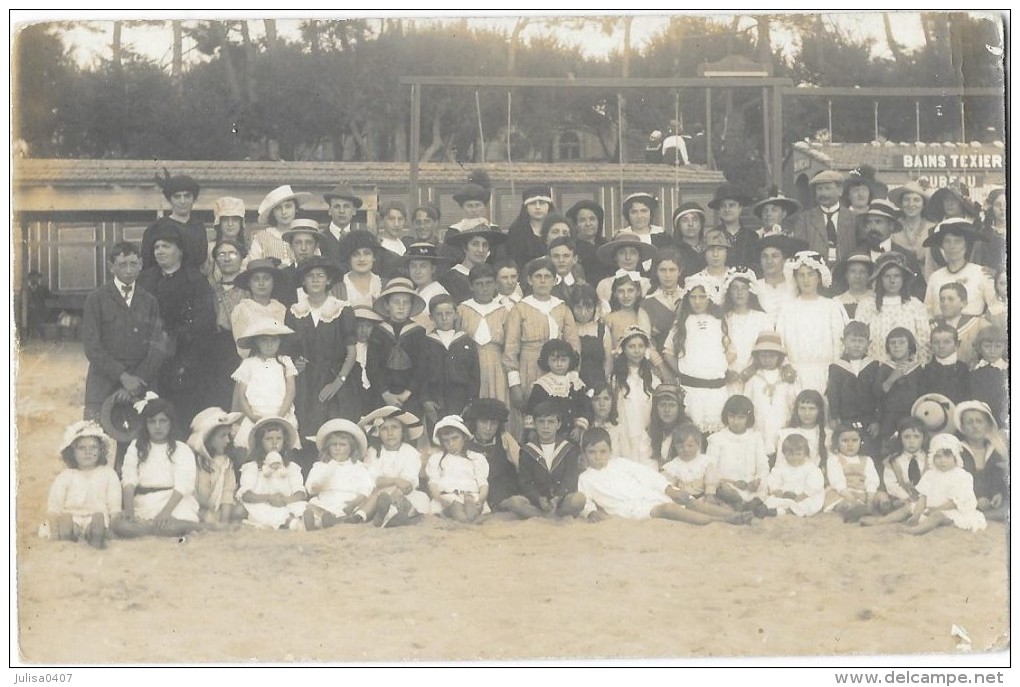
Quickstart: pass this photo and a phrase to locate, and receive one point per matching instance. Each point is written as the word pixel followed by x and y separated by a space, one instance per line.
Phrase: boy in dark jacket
pixel 548 468
pixel 454 376
pixel 946 374
pixel 852 383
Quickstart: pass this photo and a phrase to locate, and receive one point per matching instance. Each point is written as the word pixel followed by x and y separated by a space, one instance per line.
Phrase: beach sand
pixel 496 591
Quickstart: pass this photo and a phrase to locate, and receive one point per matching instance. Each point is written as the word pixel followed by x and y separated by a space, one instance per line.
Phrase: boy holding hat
pixel 181 191
pixel 828 227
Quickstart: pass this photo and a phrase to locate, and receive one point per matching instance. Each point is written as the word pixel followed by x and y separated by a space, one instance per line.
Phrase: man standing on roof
pixel 182 192
pixel 829 228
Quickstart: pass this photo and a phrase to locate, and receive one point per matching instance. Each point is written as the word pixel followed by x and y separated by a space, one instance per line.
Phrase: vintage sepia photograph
pixel 663 339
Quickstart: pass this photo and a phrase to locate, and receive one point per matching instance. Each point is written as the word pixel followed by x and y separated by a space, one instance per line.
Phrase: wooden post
pixel 917 121
pixel 415 142
pixel 876 120
pixel 710 160
pixel 963 124
pixel 832 135
pixel 777 135
pixel 766 134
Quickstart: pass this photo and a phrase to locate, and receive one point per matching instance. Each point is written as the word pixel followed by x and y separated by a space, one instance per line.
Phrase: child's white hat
pixel 374 420
pixel 342 425
pixel 87 428
pixel 979 406
pixel 936 411
pixel 945 442
pixel 706 282
pixel 262 327
pixel 290 436
pixel 206 422
pixel 808 258
pixel 227 206
pixel 455 421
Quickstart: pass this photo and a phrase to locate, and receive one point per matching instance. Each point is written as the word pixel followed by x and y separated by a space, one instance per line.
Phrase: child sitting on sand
pixel 741 467
pixel 687 470
pixel 853 480
pixel 86 495
pixel 395 465
pixel 796 485
pixel 458 478
pixel 272 490
pixel 216 484
pixel 623 488
pixel 338 484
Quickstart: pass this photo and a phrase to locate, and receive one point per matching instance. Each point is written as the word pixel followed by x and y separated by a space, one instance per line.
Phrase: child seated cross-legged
pixel 548 468
pixel 853 480
pixel 271 488
pixel 623 488
pixel 902 473
pixel 87 495
pixel 395 465
pixel 458 477
pixel 158 477
pixel 487 418
pixel 216 485
pixel 338 484
pixel 946 492
pixel 741 468
pixel 797 485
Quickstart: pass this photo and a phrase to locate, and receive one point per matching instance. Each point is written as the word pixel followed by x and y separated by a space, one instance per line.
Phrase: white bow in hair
pixel 139 406
pixel 633 274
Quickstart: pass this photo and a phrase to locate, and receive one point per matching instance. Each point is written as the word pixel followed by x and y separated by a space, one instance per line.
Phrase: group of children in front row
pixel 382 470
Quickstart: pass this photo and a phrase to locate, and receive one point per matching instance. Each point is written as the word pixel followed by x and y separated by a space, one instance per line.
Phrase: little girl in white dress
pixel 265 381
pixel 272 490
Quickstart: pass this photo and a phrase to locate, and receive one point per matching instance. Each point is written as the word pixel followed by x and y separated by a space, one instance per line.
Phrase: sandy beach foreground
pixel 496 591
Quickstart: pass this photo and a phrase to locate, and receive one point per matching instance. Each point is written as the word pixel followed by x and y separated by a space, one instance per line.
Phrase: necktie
pixel 830 227
pixel 914 470
pixel 127 292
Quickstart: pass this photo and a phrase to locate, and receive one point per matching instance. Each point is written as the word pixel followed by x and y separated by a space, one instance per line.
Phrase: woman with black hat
pixel 861 187
pixel 182 192
pixel 360 255
pixel 949 202
pixel 188 311
pixel 477 245
pixel 954 238
pixel 525 234
pixel 729 202
pixel 588 218
pixel 995 228
pixel 323 350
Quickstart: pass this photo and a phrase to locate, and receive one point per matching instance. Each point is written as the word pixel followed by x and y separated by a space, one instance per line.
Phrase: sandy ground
pixel 500 590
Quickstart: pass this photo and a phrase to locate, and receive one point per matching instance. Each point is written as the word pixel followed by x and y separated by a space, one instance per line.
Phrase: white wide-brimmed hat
pixel 341 425
pixel 277 196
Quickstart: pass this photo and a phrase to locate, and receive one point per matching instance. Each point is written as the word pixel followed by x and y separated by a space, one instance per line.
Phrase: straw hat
pixel 718 237
pixel 954 226
pixel 227 206
pixel 374 420
pixel 896 195
pixel 290 436
pixel 607 251
pixel 633 332
pixel 333 272
pixel 399 285
pixel 345 191
pixel 777 198
pixel 889 260
pixel 979 406
pixel 640 197
pixel 88 428
pixel 859 257
pixel 261 327
pixel 267 265
pixel 341 425
pixel 364 312
pixel 206 422
pixel 277 196
pixel 936 411
pixel 302 226
pixel 455 421
pixel 119 419
pixel 768 341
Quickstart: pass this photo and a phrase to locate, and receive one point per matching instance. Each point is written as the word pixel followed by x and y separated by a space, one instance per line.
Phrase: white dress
pixel 803 479
pixel 634 413
pixel 743 330
pixel 163 476
pixel 773 298
pixel 404 463
pixel 356 297
pixel 912 316
pixel 285 482
pixel 812 331
pixel 737 457
pixel 623 489
pixel 456 476
pixel 702 360
pixel 265 383
pixel 83 493
pixel 773 401
pixel 689 475
pixel 333 485
pixel 956 486
pixel 813 439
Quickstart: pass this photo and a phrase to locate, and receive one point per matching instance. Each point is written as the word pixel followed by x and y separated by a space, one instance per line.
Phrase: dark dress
pixel 503 481
pixel 593 358
pixel 952 381
pixel 594 269
pixel 523 245
pixel 691 260
pixel 324 346
pixel 573 406
pixel 745 251
pixel 993 479
pixel 895 404
pixel 988 384
pixel 196 241
pixel 188 310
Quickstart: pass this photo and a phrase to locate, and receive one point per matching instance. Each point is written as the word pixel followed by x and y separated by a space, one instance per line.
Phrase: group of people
pixel 847 358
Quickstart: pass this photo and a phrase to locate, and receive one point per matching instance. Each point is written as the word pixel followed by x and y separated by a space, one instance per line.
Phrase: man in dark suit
pixel 828 227
pixel 343 204
pixel 123 335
